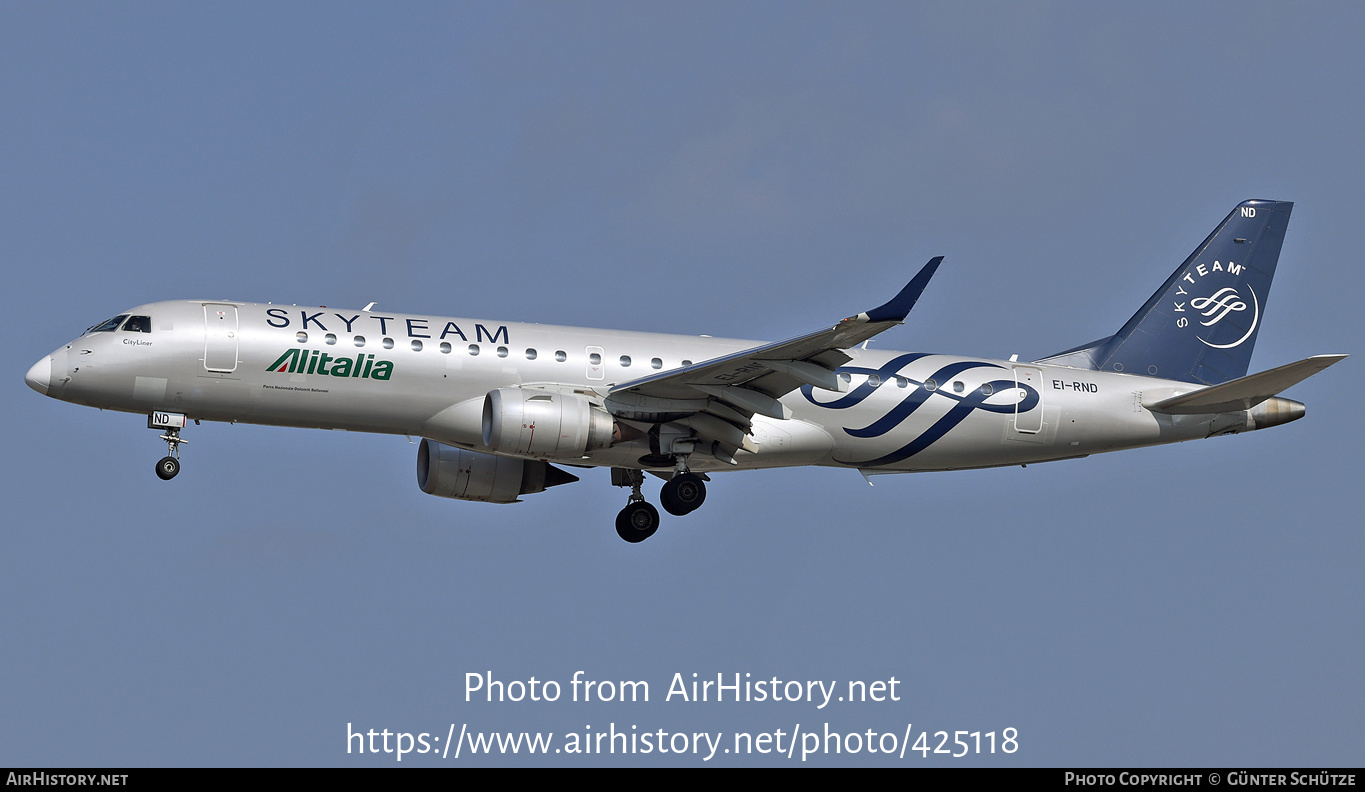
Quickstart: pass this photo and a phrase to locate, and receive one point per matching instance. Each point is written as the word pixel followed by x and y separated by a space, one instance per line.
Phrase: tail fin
pixel 1201 325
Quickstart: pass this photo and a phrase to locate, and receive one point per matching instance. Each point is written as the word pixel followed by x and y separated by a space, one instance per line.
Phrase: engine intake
pixel 543 424
pixel 450 472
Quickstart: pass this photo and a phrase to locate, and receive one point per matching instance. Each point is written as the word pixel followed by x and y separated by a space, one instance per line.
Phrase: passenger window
pixel 388 343
pixel 595 359
pixel 112 324
pixel 656 363
pixel 445 347
pixel 360 341
pixel 560 356
pixel 330 338
pixel 416 345
pixel 302 337
pixel 874 380
pixel 987 389
pixel 502 351
pixel 530 354
pixel 931 385
pixel 473 350
pixel 902 382
pixel 957 387
pixel 687 362
pixel 138 324
pixel 625 361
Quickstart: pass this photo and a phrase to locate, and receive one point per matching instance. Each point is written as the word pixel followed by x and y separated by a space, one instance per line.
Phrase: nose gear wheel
pixel 168 466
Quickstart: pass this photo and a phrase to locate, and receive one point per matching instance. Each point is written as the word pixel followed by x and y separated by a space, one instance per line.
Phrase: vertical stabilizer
pixel 1201 325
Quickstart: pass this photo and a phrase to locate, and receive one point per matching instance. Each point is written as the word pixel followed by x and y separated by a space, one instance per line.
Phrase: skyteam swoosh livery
pixel 504 407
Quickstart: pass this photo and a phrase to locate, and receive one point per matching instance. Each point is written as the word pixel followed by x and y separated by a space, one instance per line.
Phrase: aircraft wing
pixel 732 388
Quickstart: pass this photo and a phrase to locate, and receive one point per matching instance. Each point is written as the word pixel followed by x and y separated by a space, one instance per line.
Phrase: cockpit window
pixel 138 324
pixel 108 326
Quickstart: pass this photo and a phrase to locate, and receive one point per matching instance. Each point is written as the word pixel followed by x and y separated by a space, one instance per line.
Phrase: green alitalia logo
pixel 311 361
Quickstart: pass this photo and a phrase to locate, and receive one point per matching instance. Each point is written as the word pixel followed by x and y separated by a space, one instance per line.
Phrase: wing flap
pixel 750 400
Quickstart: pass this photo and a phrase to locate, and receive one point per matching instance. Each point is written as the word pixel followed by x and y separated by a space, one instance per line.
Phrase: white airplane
pixel 500 404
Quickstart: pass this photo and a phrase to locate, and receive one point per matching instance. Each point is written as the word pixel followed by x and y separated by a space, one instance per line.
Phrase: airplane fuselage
pixel 427 376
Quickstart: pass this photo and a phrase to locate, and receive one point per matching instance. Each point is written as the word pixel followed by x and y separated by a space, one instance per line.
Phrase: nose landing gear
pixel 168 466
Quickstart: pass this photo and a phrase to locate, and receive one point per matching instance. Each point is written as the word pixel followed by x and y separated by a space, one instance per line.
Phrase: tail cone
pixel 1275 411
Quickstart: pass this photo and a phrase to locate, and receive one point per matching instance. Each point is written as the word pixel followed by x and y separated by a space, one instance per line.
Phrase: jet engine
pixel 450 472
pixel 543 424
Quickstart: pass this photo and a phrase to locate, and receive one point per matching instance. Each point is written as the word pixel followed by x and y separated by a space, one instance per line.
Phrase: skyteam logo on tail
pixel 306 361
pixel 1214 308
pixel 1223 302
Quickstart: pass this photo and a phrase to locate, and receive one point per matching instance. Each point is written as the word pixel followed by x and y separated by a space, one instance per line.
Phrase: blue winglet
pixel 899 307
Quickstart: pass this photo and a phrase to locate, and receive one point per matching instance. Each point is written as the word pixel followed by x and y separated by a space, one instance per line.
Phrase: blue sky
pixel 749 170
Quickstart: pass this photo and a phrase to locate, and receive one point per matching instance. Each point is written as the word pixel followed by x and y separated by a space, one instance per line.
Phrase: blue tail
pixel 1201 325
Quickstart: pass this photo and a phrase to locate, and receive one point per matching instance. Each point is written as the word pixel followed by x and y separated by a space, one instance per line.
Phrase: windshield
pixel 105 327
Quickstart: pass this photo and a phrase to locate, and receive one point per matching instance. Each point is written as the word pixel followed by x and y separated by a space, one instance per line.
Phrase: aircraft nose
pixel 39 376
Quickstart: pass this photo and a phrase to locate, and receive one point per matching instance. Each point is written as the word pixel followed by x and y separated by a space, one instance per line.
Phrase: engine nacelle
pixel 543 424
pixel 450 472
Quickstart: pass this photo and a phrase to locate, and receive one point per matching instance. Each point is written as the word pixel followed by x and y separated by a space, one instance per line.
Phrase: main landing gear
pixel 680 495
pixel 637 522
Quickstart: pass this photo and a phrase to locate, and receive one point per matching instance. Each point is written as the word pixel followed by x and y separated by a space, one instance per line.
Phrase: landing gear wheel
pixel 683 493
pixel 637 522
pixel 167 468
pixel 169 465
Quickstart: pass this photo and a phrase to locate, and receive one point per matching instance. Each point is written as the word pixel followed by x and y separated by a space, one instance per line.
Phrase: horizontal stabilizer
pixel 1245 392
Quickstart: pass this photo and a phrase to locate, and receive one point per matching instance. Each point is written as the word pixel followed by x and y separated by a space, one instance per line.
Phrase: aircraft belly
pixel 347 406
pixel 786 443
